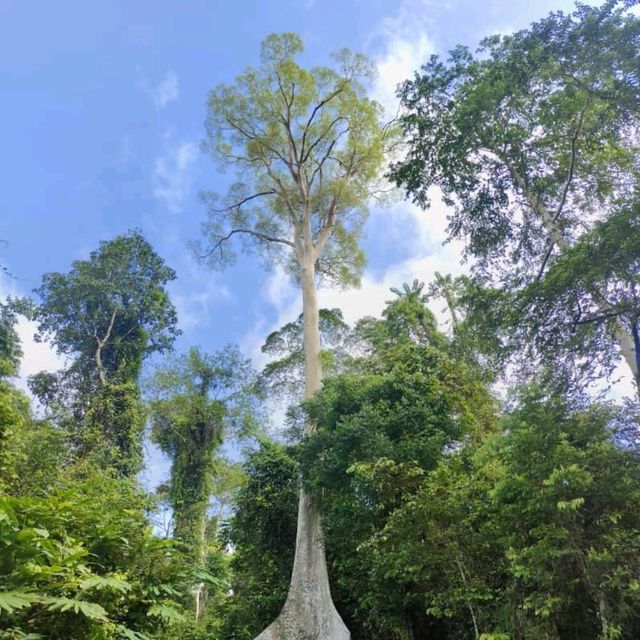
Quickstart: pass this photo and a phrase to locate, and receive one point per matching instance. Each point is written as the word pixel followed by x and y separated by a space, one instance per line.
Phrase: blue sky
pixel 103 106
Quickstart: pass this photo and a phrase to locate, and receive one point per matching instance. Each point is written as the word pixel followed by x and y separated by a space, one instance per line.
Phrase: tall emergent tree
pixel 534 143
pixel 107 314
pixel 308 147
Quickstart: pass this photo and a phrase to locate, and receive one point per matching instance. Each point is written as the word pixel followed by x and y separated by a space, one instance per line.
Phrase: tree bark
pixel 309 612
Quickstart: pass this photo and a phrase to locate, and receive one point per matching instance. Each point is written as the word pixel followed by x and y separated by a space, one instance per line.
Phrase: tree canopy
pixel 533 143
pixel 471 479
pixel 307 145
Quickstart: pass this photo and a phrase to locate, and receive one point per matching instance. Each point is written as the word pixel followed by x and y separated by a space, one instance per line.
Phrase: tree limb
pixel 238 204
pixel 565 190
pixel 263 237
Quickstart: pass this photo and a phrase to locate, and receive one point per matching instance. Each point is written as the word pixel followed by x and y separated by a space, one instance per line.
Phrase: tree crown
pixel 307 146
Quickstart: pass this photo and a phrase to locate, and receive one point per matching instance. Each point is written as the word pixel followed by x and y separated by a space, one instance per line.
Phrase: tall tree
pixel 534 143
pixel 107 313
pixel 308 147
pixel 193 397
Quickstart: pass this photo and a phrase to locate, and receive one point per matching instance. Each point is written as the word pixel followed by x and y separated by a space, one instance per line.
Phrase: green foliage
pixel 13 415
pixel 71 570
pixel 379 435
pixel 534 533
pixel 406 319
pixel 476 125
pixel 284 376
pixel 113 428
pixel 558 314
pixel 533 144
pixel 194 398
pixel 307 145
pixel 111 310
pixel 478 317
pixel 10 350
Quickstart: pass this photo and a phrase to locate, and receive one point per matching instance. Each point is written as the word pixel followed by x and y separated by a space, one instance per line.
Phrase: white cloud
pixel 37 356
pixel 401 58
pixel 195 294
pixel 194 308
pixel 165 91
pixel 172 179
pixel 403 45
pixel 278 289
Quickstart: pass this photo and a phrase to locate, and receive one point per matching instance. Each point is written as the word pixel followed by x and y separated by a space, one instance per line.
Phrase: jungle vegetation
pixel 473 480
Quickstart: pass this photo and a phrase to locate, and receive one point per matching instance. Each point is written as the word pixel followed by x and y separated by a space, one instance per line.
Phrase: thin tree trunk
pixel 309 612
pixel 101 343
pixel 469 605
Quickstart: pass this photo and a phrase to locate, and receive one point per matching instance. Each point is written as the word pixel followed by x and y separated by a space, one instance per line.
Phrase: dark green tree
pixel 106 314
pixel 197 399
pixel 533 142
pixel 532 534
pixel 478 321
pixel 110 311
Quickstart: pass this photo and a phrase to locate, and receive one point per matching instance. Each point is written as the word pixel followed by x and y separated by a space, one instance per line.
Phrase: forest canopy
pixel 457 467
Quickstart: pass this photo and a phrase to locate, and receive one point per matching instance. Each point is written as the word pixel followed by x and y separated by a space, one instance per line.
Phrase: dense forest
pixel 469 479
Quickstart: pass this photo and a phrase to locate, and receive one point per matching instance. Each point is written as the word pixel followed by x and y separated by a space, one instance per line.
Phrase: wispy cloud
pixel 172 178
pixel 165 91
pixel 195 307
pixel 401 45
pixel 196 294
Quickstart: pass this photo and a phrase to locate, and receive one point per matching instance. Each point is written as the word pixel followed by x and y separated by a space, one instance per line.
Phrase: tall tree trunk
pixel 309 612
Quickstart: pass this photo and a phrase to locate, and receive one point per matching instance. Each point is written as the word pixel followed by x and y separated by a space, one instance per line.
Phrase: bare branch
pixel 238 204
pixel 597 318
pixel 565 190
pixel 101 343
pixel 257 137
pixel 547 255
pixel 293 151
pixel 572 164
pixel 263 237
pixel 320 138
pixel 317 108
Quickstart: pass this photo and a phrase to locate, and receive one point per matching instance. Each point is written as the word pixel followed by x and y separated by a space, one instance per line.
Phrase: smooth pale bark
pixel 101 344
pixel 309 612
